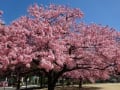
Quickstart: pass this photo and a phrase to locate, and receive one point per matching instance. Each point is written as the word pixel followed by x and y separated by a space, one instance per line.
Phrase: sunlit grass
pixel 104 86
pixel 98 86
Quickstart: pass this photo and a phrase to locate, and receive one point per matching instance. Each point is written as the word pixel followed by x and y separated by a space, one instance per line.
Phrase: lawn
pixel 106 86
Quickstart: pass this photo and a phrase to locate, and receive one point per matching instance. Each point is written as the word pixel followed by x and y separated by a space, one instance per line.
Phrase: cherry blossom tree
pixel 46 34
pixel 60 44
pixel 15 54
pixel 51 39
pixel 81 75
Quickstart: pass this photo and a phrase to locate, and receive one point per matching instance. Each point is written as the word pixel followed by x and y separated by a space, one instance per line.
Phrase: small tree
pixel 81 75
pixel 15 55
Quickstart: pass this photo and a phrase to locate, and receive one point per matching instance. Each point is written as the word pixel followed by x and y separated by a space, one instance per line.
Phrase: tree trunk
pixel 80 83
pixel 62 82
pixel 51 87
pixel 18 83
pixel 26 82
pixel 44 82
pixel 51 83
pixel 41 80
pixel 52 80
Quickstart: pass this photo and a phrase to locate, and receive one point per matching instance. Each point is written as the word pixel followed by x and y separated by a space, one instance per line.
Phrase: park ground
pixel 105 86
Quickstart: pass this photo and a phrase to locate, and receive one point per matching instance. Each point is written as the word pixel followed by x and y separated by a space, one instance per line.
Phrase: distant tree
pixel 82 75
pixel 15 54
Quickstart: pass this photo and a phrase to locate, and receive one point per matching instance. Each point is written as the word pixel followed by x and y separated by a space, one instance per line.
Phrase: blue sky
pixel 105 12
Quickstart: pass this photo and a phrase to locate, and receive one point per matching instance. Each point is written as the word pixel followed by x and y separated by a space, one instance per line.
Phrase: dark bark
pixel 62 82
pixel 18 83
pixel 80 83
pixel 51 84
pixel 52 79
pixel 41 80
pixel 54 76
pixel 26 82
